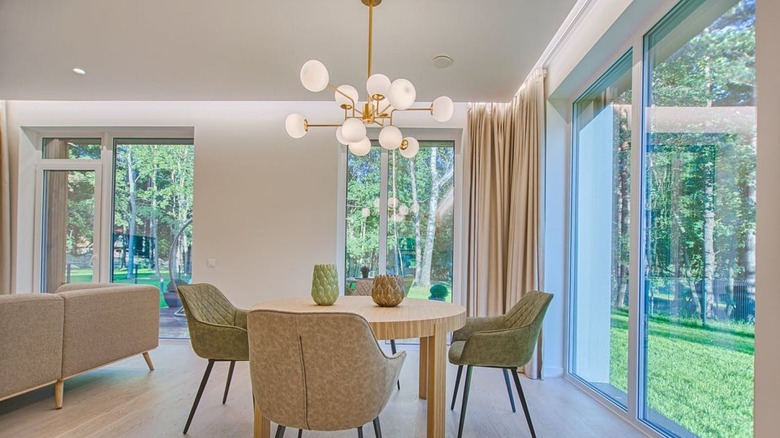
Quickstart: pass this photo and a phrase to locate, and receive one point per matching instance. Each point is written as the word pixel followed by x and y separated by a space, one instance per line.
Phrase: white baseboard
pixel 552 372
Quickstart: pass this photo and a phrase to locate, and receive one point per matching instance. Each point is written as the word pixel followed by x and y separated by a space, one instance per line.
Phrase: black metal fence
pixel 728 299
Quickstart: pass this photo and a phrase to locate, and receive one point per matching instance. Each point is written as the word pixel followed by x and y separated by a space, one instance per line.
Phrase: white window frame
pixel 452 135
pixel 104 184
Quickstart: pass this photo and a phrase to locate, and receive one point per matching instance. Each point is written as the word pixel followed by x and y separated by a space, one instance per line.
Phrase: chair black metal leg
pixel 393 350
pixel 200 393
pixel 509 389
pixel 525 405
pixel 300 433
pixel 230 377
pixel 360 431
pixel 377 428
pixel 465 400
pixel 280 431
pixel 457 383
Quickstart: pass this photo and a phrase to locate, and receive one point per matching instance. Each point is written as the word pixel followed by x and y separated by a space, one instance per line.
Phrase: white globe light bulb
pixel 361 147
pixel 390 137
pixel 392 202
pixel 366 212
pixel 353 130
pixel 412 147
pixel 350 91
pixel 377 84
pixel 403 210
pixel 401 94
pixel 442 109
pixel 314 76
pixel 340 138
pixel 295 124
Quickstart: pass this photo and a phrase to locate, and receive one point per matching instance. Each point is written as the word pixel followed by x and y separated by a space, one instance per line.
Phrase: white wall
pixel 265 205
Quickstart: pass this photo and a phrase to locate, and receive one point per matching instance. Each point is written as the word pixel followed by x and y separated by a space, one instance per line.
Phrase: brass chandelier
pixel 384 98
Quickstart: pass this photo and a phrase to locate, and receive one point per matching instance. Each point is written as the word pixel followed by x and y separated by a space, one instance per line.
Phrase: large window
pixel 600 273
pixel 152 229
pixel 400 218
pixel 116 210
pixel 698 241
pixel 673 342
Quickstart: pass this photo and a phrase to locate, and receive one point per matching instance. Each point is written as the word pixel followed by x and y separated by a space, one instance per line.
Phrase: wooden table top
pixel 413 318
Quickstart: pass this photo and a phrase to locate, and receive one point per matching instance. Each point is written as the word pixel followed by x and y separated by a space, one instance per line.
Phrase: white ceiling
pixel 253 49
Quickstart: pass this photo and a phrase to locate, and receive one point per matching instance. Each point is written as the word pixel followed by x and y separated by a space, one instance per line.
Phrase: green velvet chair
pixel 217 332
pixel 505 342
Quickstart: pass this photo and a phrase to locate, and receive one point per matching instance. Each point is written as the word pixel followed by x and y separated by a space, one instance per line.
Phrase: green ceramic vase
pixel 325 284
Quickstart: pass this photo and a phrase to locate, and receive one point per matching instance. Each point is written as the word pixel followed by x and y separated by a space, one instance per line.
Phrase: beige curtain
pixel 503 259
pixel 5 206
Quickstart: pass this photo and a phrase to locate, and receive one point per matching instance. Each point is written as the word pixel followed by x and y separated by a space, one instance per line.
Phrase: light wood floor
pixel 126 400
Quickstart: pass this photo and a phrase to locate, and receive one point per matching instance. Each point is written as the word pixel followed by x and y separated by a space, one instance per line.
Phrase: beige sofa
pixel 47 338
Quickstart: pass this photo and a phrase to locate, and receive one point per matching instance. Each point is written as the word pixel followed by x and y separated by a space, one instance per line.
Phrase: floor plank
pixel 125 399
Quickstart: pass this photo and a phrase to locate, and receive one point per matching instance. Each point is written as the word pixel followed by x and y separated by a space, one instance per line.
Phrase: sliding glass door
pixel 600 274
pixel 152 225
pixel 662 309
pixel 69 182
pixel 698 240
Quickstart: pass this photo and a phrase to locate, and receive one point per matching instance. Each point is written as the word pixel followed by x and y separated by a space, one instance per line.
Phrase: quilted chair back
pixel 217 329
pixel 529 312
pixel 206 303
pixel 309 370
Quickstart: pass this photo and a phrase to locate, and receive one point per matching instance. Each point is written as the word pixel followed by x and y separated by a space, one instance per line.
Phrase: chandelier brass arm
pixel 400 95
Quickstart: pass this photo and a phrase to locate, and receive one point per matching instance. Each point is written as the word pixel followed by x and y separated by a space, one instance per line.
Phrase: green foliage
pixel 408 232
pixel 158 179
pixel 439 290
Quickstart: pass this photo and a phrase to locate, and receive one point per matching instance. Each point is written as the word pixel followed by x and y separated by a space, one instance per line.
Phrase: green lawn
pixel 701 378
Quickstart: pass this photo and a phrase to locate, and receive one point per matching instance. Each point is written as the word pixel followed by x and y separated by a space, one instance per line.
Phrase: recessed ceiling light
pixel 79 71
pixel 441 61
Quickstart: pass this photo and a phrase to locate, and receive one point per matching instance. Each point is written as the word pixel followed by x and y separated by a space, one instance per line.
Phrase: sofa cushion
pixel 105 324
pixel 30 341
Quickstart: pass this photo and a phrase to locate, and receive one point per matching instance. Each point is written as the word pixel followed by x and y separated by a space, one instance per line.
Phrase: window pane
pixel 72 148
pixel 699 209
pixel 362 227
pixel 152 239
pixel 601 233
pixel 420 224
pixel 68 228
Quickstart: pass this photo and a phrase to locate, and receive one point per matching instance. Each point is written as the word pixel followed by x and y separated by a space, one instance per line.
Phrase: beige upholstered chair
pixel 505 342
pixel 319 371
pixel 363 287
pixel 217 332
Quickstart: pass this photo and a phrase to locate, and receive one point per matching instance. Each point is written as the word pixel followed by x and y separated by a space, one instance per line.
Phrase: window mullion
pixel 384 187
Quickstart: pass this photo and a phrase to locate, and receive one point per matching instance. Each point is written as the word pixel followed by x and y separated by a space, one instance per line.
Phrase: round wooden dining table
pixel 430 321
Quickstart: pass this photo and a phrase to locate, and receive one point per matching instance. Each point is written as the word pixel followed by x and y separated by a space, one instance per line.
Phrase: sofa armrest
pixel 105 324
pixel 30 341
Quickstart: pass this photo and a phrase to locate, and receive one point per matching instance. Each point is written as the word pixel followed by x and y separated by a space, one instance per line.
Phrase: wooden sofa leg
pixel 58 388
pixel 148 361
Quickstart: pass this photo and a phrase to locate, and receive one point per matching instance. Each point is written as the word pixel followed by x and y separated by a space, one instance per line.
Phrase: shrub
pixel 439 290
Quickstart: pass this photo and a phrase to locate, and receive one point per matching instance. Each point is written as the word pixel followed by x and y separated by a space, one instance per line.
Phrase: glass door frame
pixel 66 165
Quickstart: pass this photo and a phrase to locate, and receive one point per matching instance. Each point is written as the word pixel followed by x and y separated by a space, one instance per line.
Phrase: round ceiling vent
pixel 441 61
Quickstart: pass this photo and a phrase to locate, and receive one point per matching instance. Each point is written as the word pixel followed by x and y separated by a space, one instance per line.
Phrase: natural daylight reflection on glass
pixel 699 205
pixel 600 246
